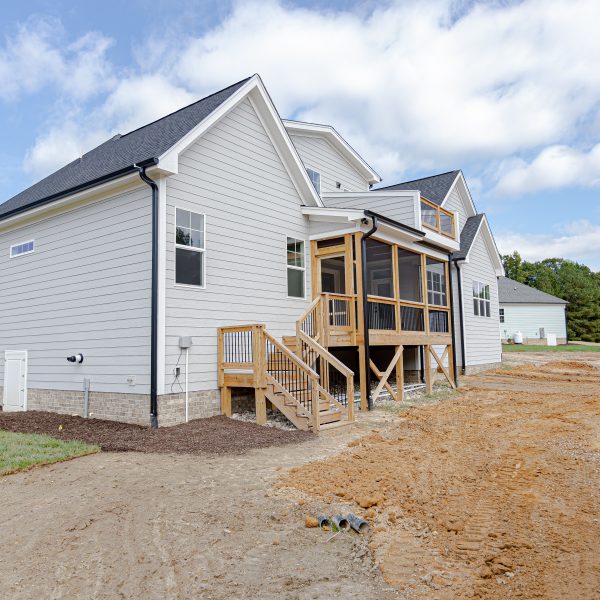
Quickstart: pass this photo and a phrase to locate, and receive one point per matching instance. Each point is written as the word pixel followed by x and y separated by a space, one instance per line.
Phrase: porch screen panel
pixel 379 269
pixel 409 276
pixel 438 321
pixel 436 283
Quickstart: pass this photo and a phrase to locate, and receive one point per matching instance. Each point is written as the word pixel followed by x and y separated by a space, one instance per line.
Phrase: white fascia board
pixel 373 194
pixel 255 90
pixel 332 214
pixel 338 142
pixel 441 240
pixel 93 194
pixel 490 243
pixel 462 183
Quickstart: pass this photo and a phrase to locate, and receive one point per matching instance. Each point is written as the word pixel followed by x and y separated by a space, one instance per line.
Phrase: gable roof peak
pixel 433 187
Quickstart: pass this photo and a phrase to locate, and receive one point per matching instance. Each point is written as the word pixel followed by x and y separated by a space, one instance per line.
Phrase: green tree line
pixel 569 280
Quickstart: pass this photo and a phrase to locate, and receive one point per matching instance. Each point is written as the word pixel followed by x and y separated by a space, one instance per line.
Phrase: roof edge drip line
pixel 81 188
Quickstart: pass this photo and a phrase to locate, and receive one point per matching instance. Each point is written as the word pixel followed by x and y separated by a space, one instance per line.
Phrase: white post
pixel 187 351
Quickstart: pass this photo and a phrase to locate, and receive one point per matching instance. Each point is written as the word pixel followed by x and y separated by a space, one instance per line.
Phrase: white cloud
pixel 36 56
pixel 554 167
pixel 578 240
pixel 408 86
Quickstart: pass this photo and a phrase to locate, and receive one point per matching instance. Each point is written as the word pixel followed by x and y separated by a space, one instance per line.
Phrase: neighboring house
pixel 533 313
pixel 220 248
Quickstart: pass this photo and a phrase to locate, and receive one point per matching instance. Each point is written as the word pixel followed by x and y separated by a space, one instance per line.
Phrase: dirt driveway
pixel 491 494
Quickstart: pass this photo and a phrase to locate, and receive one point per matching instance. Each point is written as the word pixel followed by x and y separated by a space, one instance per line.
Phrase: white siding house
pixel 134 255
pixel 532 313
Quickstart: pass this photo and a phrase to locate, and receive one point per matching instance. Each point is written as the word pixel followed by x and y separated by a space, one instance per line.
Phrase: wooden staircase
pixel 312 388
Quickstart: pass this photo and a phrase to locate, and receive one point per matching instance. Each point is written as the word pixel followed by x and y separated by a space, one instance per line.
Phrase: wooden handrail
pixel 225 328
pixel 310 308
pixel 325 354
pixel 438 209
pixel 380 299
pixel 289 354
pixel 339 296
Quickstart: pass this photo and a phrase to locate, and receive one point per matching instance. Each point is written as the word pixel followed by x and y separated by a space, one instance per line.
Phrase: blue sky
pixel 507 91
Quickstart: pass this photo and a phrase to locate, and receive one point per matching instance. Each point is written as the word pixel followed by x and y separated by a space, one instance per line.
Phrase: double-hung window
pixel 481 299
pixel 295 268
pixel 315 177
pixel 501 310
pixel 190 246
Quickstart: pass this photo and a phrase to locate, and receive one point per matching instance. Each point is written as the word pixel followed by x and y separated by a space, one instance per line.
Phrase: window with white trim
pixel 22 248
pixel 296 270
pixel 315 177
pixel 501 311
pixel 481 299
pixel 190 246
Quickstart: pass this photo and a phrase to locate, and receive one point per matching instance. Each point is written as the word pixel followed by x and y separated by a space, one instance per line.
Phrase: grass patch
pixel 561 348
pixel 22 451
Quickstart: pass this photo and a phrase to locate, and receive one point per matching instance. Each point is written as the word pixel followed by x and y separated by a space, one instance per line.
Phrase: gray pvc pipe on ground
pixel 359 525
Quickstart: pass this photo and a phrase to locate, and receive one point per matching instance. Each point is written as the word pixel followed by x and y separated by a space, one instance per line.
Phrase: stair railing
pixel 293 375
pixel 336 380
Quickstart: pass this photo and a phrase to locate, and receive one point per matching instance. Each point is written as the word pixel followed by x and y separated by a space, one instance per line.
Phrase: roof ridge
pixel 429 176
pixel 121 136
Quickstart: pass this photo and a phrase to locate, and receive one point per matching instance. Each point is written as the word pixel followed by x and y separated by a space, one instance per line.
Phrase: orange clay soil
pixel 491 494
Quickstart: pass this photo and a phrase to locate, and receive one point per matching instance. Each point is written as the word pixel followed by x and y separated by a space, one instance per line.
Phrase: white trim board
pixel 256 92
pixel 330 134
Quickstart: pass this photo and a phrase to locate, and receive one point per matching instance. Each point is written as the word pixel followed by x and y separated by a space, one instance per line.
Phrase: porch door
pixel 332 274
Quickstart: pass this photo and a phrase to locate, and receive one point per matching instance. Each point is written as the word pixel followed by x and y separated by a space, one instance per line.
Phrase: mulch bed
pixel 214 435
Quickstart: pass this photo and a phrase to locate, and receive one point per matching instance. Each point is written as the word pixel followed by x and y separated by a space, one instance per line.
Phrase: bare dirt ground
pixel 492 493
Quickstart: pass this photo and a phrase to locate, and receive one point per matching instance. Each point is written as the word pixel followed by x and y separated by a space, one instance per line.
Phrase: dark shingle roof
pixel 434 188
pixel 513 292
pixel 467 236
pixel 120 152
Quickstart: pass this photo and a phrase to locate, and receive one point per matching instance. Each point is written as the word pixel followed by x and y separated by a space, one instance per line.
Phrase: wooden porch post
pixel 261 406
pixel 226 401
pixel 400 377
pixel 428 376
pixel 363 376
pixel 360 322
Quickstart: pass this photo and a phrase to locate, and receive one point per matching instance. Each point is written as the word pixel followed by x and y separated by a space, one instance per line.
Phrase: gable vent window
pixel 315 177
pixel 295 268
pixel 190 234
pixel 481 299
pixel 24 248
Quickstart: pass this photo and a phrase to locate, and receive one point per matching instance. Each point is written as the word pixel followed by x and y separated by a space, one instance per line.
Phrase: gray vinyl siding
pixel 86 288
pixel 455 204
pixel 401 209
pixel 234 176
pixel 482 334
pixel 528 318
pixel 319 155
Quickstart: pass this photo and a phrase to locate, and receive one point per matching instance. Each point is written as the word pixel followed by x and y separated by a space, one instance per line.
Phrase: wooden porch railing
pixel 311 380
